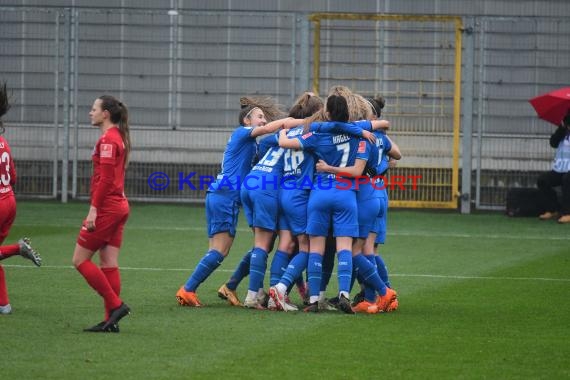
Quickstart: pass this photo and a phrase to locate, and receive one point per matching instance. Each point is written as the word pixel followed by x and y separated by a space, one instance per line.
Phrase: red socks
pixel 114 277
pixel 3 290
pixel 97 279
pixel 9 250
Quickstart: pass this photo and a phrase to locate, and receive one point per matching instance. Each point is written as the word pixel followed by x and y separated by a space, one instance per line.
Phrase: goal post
pixel 414 62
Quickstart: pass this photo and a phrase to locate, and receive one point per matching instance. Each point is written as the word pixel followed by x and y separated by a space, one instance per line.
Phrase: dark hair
pixel 377 104
pixel 245 112
pixel 566 120
pixel 120 116
pixel 305 105
pixel 337 108
pixel 4 105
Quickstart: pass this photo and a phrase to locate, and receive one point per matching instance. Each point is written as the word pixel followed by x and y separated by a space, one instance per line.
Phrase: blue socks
pixel 369 274
pixel 257 267
pixel 241 272
pixel 211 260
pixel 370 293
pixel 314 272
pixel 382 269
pixel 295 268
pixel 328 265
pixel 344 270
pixel 278 267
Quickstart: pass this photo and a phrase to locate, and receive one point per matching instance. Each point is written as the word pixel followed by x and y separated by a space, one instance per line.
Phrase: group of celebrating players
pixel 329 143
pixel 301 188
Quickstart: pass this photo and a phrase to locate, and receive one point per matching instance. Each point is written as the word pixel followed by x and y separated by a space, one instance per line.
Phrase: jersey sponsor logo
pixel 362 147
pixel 106 151
pixel 307 135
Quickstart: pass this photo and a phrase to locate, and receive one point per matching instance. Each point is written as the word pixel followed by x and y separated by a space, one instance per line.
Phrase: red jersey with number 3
pixel 7 170
pixel 108 180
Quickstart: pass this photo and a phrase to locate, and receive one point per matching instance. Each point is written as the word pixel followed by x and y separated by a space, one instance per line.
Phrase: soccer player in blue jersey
pixel 372 205
pixel 369 207
pixel 378 236
pixel 259 195
pixel 294 197
pixel 223 196
pixel 327 201
pixel 293 249
pixel 305 105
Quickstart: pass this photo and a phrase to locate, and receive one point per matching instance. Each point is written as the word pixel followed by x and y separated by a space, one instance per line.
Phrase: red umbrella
pixel 552 106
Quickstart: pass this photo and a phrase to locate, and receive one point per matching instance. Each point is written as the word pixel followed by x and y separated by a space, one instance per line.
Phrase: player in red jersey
pixel 102 229
pixel 8 209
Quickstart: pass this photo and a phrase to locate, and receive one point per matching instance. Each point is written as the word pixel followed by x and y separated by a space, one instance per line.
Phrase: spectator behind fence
pixel 558 176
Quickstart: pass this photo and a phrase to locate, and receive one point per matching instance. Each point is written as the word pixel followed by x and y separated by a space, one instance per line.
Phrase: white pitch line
pixel 426 234
pixel 454 277
pixel 480 277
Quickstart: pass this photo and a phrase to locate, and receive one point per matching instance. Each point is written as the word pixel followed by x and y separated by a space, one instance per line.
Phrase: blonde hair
pixel 358 107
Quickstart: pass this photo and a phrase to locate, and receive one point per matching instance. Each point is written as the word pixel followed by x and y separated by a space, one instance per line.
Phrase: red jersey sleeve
pixel 107 162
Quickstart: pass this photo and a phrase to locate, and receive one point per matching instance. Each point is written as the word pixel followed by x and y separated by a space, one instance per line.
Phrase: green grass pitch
pixel 481 296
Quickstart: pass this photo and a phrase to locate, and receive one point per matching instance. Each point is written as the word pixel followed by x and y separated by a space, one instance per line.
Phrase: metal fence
pixel 515 59
pixel 182 74
pixel 414 62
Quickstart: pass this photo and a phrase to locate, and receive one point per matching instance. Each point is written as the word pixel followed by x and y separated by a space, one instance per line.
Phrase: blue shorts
pixel 261 207
pixel 368 211
pixel 336 205
pixel 293 210
pixel 221 214
pixel 381 221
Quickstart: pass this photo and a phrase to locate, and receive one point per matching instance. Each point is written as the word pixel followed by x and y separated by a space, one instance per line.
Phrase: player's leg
pixel 222 217
pixel 5 307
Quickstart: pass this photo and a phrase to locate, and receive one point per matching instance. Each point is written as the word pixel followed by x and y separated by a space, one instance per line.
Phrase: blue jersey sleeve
pixel 309 141
pixel 364 150
pixel 240 134
pixel 354 129
pixel 268 142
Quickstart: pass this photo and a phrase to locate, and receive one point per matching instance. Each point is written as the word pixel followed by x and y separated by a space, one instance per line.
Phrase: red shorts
pixel 7 215
pixel 108 229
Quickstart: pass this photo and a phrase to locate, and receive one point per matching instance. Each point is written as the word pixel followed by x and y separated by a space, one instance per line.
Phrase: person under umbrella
pixel 559 175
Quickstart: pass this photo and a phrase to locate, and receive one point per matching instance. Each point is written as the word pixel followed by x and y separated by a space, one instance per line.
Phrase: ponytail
pixel 125 132
pixel 120 116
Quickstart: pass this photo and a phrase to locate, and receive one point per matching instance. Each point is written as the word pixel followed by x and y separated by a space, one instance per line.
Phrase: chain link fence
pixel 181 73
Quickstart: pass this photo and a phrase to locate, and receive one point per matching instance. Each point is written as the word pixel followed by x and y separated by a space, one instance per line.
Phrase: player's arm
pixel 275 125
pixel 394 150
pixel 351 171
pixel 359 128
pixel 106 179
pixel 382 125
pixel 286 142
